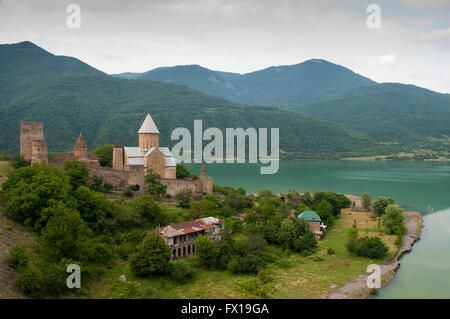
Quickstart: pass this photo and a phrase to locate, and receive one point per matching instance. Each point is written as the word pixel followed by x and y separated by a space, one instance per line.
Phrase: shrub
pixel 152 256
pixel 254 287
pixel 373 291
pixel 181 271
pixel 54 278
pixel 29 283
pixel 366 200
pixel 184 197
pixel 330 251
pixel 125 250
pixel 18 258
pixel 352 233
pixel 316 258
pixel 207 250
pixel 370 247
pixel 108 187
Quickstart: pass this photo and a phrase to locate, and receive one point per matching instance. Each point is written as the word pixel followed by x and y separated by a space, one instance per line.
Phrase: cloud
pixel 384 60
pixel 425 4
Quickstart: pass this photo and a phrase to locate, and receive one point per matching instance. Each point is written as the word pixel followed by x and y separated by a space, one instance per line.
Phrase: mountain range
pixel 323 110
pixel 71 97
pixel 387 112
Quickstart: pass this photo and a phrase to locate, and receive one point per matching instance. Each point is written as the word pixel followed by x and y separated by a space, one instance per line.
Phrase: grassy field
pixel 295 276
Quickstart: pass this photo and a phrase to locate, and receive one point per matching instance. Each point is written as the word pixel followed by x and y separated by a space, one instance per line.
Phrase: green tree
pixel 379 206
pixel 201 208
pixel 393 220
pixel 152 256
pixel 29 190
pixel 105 155
pixel 324 210
pixel 147 208
pixel 366 201
pixel 64 232
pixel 184 197
pixel 183 172
pixel 92 205
pixel 155 186
pixel 207 250
pixel 77 171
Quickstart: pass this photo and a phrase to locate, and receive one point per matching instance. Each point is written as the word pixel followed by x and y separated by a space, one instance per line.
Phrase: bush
pixel 125 250
pixel 352 233
pixel 181 271
pixel 254 287
pixel 370 247
pixel 184 197
pixel 330 251
pixel 152 256
pixel 18 258
pixel 207 250
pixel 316 258
pixel 29 283
pixel 54 278
pixel 108 187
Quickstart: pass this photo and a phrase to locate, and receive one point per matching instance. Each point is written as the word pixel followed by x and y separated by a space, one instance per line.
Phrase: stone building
pixel 180 237
pixel 314 222
pixel 80 152
pixel 33 146
pixel 147 155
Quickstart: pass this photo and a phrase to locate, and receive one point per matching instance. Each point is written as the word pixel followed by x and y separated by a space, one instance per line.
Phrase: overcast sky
pixel 411 46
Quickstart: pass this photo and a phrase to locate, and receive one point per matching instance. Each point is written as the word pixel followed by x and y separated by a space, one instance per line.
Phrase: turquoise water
pixel 421 186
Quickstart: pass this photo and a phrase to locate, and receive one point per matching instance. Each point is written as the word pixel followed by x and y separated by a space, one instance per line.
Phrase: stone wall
pixel 119 179
pixel 174 186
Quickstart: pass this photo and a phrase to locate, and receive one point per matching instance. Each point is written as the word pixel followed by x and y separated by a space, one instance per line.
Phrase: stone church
pixel 147 155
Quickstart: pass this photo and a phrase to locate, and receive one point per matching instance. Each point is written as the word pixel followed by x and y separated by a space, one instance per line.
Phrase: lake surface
pixel 421 186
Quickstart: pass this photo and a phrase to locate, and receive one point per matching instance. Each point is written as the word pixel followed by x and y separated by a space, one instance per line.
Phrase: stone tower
pixel 207 181
pixel 32 143
pixel 118 156
pixel 148 134
pixel 80 149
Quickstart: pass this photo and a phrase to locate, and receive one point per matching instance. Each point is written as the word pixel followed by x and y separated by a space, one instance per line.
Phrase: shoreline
pixel 357 288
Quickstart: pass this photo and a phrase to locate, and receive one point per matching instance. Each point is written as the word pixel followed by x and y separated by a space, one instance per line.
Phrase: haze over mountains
pixel 69 96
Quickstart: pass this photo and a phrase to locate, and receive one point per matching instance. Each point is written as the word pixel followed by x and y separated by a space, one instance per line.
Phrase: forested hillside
pixel 280 86
pixel 389 112
pixel 69 97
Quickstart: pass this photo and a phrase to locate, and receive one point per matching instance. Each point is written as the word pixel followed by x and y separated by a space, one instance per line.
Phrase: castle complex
pixel 130 164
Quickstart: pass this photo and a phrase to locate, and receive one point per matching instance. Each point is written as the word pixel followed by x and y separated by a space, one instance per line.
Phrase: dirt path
pixel 357 288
